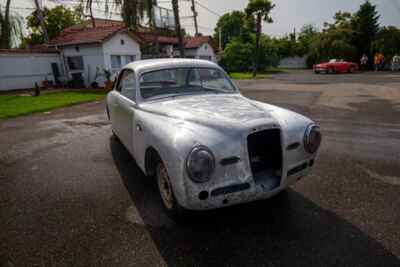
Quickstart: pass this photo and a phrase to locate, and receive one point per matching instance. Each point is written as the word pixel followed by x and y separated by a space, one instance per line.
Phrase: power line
pixel 209 10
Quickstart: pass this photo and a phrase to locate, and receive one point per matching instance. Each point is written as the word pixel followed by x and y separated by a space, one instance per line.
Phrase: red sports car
pixel 335 66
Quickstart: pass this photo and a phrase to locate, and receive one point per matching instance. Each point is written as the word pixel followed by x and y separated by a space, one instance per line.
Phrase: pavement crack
pixel 393 180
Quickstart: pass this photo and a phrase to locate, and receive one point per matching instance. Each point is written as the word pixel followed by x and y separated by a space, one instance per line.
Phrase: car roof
pixel 146 65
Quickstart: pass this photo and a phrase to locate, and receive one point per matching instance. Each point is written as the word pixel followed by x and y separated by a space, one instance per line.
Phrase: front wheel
pixel 171 206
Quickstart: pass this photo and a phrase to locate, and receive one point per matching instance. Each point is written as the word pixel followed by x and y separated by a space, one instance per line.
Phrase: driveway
pixel 70 195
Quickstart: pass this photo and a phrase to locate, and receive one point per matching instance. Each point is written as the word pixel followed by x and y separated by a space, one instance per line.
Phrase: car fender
pixel 170 140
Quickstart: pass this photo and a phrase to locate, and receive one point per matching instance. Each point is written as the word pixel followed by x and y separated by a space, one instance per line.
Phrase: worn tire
pixel 171 206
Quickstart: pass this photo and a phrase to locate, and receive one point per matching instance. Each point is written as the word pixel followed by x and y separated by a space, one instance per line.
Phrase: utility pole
pixel 196 27
pixel 41 21
pixel 175 7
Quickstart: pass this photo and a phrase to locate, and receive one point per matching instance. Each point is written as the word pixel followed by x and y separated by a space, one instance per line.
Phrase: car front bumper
pixel 247 191
pixel 320 69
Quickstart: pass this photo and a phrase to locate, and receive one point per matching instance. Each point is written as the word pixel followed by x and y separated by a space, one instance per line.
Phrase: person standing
pixel 364 62
pixel 396 63
pixel 381 61
pixel 376 62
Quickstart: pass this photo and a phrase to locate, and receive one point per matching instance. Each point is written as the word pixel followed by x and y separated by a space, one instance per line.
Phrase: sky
pixel 287 14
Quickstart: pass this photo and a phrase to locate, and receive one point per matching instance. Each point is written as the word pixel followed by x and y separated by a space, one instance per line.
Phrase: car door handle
pixel 139 127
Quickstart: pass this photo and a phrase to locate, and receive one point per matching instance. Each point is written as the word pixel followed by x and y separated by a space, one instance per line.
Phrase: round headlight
pixel 200 164
pixel 312 139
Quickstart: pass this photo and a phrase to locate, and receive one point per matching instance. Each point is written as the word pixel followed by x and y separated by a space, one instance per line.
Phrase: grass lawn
pixel 247 76
pixel 17 105
pixel 262 75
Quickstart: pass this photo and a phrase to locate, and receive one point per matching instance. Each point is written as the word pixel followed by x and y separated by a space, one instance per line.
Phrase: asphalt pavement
pixel 71 195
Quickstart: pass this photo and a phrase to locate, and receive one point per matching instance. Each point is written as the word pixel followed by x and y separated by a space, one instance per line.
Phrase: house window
pixel 206 57
pixel 75 63
pixel 130 58
pixel 115 63
pixel 122 41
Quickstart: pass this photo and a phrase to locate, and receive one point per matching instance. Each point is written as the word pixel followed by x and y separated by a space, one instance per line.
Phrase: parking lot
pixel 70 195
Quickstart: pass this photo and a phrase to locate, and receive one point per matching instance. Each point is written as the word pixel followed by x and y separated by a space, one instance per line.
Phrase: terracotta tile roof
pixel 196 42
pixel 190 42
pixel 147 37
pixel 87 35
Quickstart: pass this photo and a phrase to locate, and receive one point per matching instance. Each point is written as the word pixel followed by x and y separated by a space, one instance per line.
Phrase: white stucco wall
pixel 22 70
pixel 204 50
pixel 92 56
pixel 293 62
pixel 207 51
pixel 114 46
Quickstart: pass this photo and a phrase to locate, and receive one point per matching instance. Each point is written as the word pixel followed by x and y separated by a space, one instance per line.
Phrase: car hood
pixel 221 110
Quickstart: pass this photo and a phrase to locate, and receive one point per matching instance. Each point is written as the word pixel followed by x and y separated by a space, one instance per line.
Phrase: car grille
pixel 265 154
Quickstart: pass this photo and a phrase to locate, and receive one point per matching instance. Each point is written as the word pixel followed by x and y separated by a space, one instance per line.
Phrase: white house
pixel 81 54
pixel 87 52
pixel 200 47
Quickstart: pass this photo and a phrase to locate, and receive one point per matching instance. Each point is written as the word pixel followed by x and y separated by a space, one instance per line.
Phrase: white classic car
pixel 186 124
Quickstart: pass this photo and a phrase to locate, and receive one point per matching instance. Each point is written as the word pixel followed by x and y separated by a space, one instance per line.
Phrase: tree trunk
pixel 41 20
pixel 175 7
pixel 258 35
pixel 5 41
pixel 90 3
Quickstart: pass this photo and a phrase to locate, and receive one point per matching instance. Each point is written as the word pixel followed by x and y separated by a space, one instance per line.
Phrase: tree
pixel 134 11
pixel 387 41
pixel 231 25
pixel 335 40
pixel 260 9
pixel 365 24
pixel 306 36
pixel 237 56
pixel 5 41
pixel 55 20
pixel 89 7
pixel 10 28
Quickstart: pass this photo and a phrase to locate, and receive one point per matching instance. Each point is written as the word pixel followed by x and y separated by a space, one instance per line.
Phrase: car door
pixel 125 108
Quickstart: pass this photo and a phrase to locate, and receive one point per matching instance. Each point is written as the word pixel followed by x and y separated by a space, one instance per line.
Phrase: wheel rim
pixel 164 186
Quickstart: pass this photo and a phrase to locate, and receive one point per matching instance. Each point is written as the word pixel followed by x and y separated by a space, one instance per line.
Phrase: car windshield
pixel 181 81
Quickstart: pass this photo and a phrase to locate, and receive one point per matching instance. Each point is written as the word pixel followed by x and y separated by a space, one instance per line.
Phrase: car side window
pixel 126 85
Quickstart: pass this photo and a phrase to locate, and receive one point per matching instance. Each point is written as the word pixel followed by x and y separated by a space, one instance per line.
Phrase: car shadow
pixel 288 230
